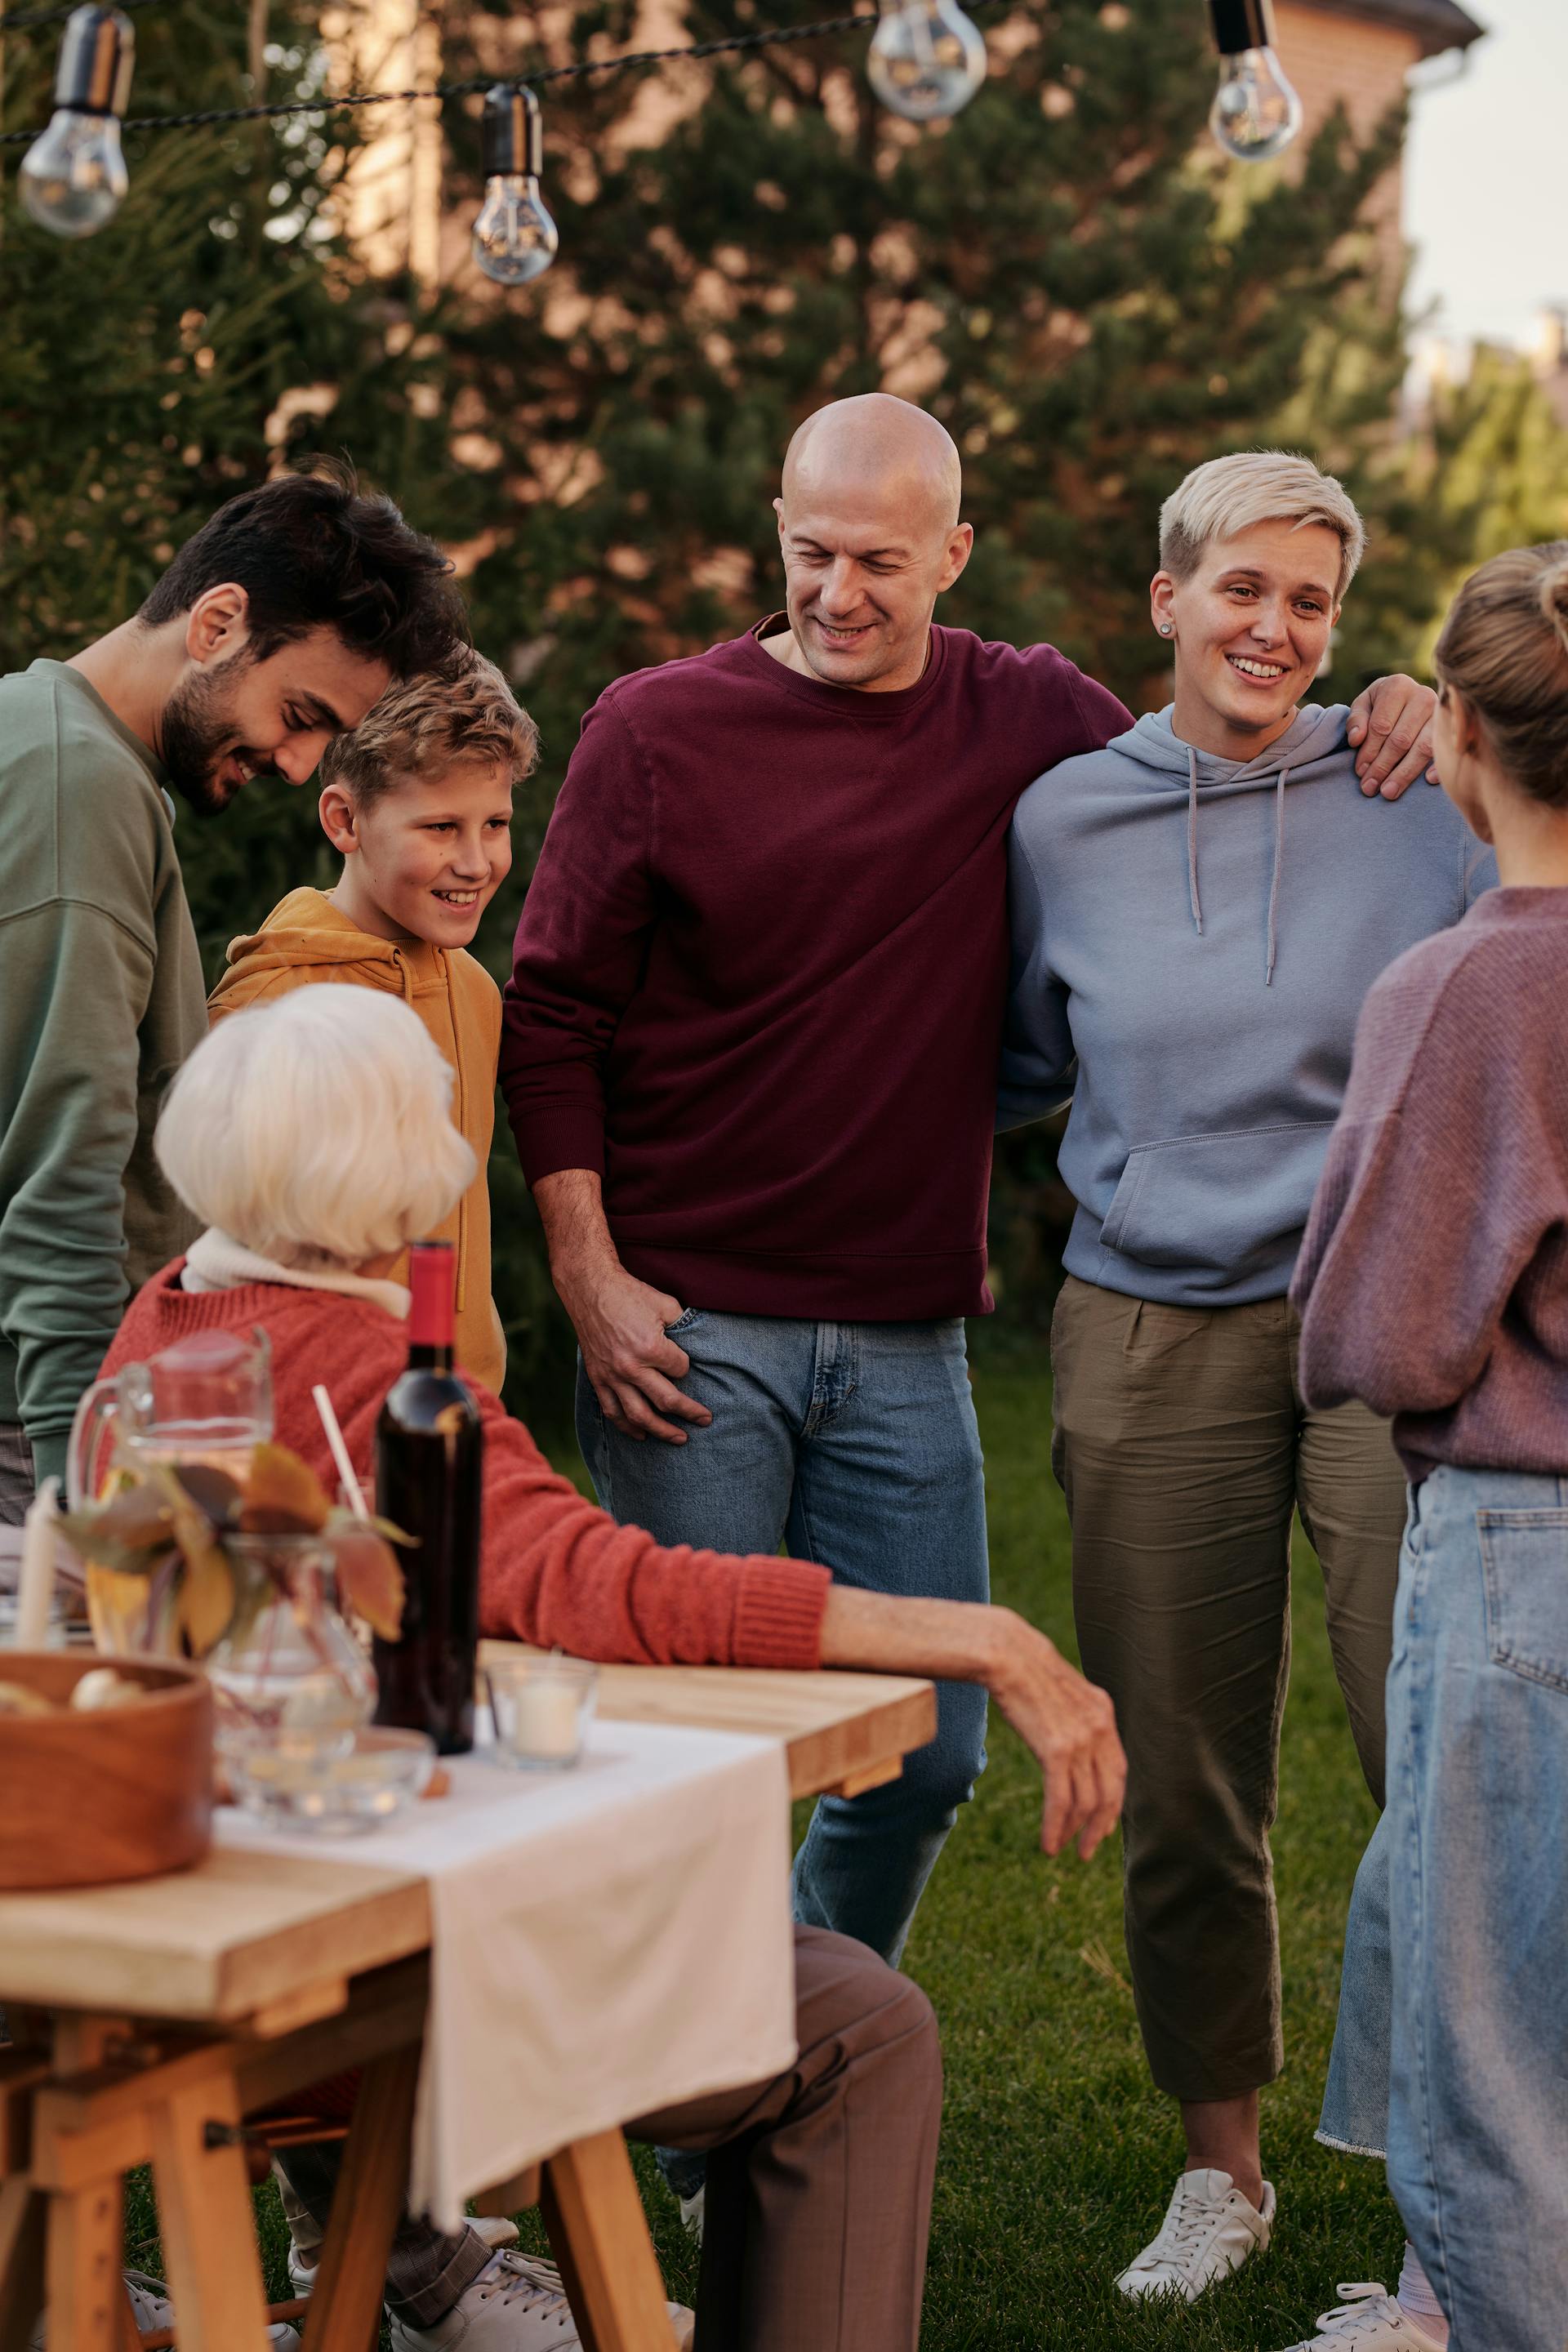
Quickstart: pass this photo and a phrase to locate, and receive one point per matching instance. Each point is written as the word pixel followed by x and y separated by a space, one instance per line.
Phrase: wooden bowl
pixel 109 1794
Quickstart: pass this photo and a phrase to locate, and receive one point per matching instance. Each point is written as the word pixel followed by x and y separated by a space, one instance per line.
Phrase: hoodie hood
pixel 1153 743
pixel 307 939
pixel 305 928
pixel 1312 736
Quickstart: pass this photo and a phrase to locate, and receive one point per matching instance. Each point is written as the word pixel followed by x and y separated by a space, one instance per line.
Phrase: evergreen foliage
pixel 1068 274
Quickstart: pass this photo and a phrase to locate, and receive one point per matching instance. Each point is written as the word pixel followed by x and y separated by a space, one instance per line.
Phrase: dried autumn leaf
pixel 203 1605
pixel 205 1602
pixel 118 1600
pixel 283 1496
pixel 136 1520
pixel 369 1578
pixel 211 1489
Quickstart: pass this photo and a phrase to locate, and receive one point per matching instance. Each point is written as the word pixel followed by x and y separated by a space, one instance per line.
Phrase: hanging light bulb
pixel 515 236
pixel 73 175
pixel 1256 113
pixel 926 59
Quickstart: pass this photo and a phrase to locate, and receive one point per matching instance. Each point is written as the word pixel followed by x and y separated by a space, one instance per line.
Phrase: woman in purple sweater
pixel 1433 1283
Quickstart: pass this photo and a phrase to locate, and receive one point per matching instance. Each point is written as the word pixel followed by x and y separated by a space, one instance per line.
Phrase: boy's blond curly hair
pixel 424 724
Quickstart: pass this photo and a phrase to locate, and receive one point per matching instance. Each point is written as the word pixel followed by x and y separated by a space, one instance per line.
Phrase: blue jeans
pixel 855 1443
pixel 1451 2048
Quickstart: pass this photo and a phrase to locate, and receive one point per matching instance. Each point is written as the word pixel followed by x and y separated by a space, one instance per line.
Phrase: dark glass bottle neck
pixel 430 1304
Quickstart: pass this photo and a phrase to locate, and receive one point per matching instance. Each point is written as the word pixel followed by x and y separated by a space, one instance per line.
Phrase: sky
pixel 1485 189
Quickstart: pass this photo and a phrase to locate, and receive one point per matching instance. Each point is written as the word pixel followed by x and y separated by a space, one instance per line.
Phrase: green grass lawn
pixel 1057 2157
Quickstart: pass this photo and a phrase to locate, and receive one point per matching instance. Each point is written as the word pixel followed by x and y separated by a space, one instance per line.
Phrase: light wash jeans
pixel 856 1444
pixel 1451 2048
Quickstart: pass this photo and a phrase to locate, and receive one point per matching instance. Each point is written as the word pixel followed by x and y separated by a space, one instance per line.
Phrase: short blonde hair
pixel 1505 645
pixel 422 725
pixel 1230 495
pixel 316 1130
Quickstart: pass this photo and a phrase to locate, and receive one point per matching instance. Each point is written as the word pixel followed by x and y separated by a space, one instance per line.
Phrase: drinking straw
pixel 340 1452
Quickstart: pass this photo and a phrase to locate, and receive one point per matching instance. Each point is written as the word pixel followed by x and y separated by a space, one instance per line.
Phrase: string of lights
pixel 24 20
pixel 768 38
pixel 926 60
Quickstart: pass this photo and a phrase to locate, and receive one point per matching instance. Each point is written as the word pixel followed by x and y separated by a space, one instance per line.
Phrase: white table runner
pixel 607 1942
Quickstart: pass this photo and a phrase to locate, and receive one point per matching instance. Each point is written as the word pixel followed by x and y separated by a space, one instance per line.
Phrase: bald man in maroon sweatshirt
pixel 750 1054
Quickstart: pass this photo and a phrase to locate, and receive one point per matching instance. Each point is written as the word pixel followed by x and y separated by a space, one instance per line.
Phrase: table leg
pixel 84 2292
pixel 23 2212
pixel 207 2221
pixel 345 2308
pixel 598 2233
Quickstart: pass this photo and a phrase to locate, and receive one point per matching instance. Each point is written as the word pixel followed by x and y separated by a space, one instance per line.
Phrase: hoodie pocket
pixel 1219 1203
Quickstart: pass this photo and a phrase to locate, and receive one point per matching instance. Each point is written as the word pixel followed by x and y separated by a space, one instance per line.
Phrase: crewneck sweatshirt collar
pixel 1519 902
pixel 74 682
pixel 851 701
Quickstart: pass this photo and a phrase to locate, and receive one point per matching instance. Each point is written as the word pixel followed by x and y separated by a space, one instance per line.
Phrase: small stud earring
pixel 1164 628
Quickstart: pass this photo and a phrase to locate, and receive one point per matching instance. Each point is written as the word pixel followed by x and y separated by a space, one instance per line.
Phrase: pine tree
pixel 1067 274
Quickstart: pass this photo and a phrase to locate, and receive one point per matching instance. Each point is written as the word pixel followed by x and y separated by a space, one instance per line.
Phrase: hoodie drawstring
pixel 1193 898
pixel 1274 884
pixel 1192 839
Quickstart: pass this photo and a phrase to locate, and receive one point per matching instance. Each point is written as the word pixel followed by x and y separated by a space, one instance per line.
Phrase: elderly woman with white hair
pixel 313 1137
pixel 1198 912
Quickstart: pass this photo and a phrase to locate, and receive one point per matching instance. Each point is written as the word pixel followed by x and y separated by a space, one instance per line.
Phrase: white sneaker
pixel 518 2305
pixel 304 2262
pixel 154 2309
pixel 694 2213
pixel 1368 2320
pixel 1209 2231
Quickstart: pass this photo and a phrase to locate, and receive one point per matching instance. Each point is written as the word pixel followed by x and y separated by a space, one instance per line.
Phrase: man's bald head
pixel 877 441
pixel 870 531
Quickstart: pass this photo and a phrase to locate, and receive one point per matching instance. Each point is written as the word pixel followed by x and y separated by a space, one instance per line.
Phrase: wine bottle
pixel 429 1465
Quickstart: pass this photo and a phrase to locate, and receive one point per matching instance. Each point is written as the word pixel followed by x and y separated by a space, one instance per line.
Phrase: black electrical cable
pixel 769 38
pixel 20 20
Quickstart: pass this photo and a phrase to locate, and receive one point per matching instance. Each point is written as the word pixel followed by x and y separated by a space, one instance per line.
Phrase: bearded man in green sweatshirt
pixel 275 627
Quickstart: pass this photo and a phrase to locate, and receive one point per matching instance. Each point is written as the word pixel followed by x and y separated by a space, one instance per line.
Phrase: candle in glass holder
pixel 541 1710
pixel 546 1724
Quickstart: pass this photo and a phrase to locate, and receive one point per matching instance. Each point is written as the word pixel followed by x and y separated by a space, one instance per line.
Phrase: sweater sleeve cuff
pixel 49 1449
pixel 549 1141
pixel 778 1614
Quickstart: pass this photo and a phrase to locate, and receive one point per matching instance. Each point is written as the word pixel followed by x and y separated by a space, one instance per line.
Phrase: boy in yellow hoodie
pixel 417 798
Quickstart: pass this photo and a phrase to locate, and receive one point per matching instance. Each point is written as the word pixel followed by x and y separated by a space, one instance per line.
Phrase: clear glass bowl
pixel 543 1708
pixel 338 1792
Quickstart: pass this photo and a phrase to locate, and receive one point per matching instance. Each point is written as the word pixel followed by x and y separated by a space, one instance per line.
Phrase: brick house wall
pixel 1359 54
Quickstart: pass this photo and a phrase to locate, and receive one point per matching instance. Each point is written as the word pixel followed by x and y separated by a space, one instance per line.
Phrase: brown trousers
pixel 820 2181
pixel 1183 1446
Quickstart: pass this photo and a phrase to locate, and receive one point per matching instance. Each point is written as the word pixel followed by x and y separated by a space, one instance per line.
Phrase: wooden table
pixel 168 2011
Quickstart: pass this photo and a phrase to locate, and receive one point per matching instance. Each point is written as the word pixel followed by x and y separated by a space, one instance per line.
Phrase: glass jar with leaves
pixel 243 1567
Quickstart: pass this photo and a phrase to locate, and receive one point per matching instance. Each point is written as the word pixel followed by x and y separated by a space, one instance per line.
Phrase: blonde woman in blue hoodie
pixel 1191 950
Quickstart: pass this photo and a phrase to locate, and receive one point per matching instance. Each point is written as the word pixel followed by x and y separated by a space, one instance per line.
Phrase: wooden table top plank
pixel 244 1930
pixel 214 1943
pixel 831 1724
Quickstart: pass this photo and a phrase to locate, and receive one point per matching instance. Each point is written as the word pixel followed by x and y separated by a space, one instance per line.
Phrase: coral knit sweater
pixel 556 1570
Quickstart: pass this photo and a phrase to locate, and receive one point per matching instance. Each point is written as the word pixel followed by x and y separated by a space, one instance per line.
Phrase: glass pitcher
pixel 208 1399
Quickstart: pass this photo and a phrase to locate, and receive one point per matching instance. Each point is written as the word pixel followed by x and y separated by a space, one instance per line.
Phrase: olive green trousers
pixel 1184 1447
